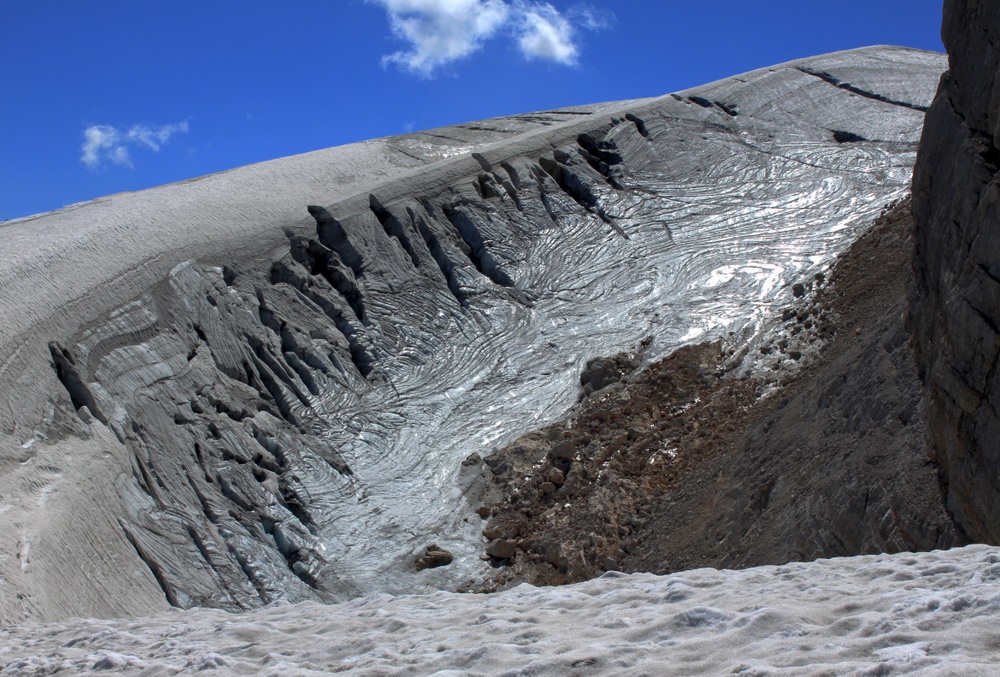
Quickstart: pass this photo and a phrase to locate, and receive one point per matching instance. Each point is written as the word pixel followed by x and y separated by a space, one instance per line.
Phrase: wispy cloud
pixel 440 32
pixel 107 144
pixel 590 18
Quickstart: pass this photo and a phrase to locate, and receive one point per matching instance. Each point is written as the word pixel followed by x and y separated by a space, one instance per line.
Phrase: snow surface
pixel 928 614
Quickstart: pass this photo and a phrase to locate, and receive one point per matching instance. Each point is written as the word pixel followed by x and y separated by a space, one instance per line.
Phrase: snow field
pixel 928 614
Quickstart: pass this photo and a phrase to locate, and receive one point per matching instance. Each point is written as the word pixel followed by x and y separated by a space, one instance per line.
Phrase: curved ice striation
pixel 294 396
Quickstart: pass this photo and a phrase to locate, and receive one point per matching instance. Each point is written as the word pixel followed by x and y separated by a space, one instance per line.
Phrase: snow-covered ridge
pixel 929 614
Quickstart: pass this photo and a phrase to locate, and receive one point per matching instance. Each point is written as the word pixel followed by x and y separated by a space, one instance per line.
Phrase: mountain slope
pixel 215 396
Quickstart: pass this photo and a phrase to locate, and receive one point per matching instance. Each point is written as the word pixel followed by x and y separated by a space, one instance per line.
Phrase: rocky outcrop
pixel 601 372
pixel 955 308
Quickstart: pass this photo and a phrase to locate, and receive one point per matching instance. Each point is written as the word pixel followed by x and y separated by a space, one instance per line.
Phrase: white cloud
pixel 105 143
pixel 440 32
pixel 544 33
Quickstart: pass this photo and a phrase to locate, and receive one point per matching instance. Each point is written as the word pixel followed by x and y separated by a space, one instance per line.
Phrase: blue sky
pixel 111 95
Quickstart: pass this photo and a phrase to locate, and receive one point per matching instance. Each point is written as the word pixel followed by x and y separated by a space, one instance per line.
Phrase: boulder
pixel 565 451
pixel 433 558
pixel 555 476
pixel 502 549
pixel 603 371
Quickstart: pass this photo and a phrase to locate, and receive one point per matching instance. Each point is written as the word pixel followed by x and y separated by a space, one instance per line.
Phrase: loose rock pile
pixel 576 491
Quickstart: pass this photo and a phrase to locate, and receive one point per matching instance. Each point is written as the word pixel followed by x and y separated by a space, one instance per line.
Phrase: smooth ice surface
pixel 928 614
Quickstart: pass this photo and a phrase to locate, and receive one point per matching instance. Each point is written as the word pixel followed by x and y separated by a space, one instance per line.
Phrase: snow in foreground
pixel 931 613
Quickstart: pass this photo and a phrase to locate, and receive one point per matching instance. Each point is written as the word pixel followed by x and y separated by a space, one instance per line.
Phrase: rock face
pixel 261 384
pixel 839 464
pixel 956 304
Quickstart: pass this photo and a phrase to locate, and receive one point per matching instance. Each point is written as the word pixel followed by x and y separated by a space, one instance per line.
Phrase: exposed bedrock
pixel 261 385
pixel 955 307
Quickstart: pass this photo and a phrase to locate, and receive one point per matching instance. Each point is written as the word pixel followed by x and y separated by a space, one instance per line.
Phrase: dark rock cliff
pixel 955 306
